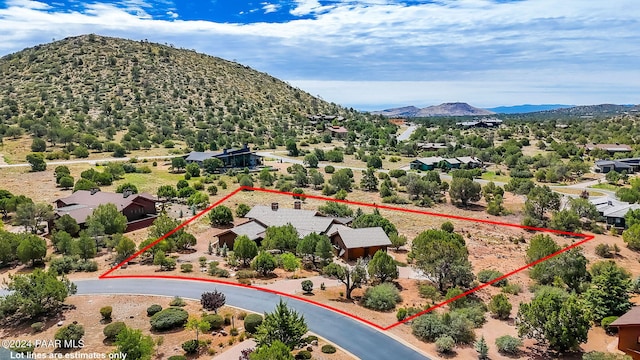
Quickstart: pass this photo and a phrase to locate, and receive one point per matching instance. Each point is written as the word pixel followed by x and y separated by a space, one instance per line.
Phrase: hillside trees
pixel 351 277
pixel 282 325
pixel 464 190
pixel 245 249
pixel 608 294
pixel 540 200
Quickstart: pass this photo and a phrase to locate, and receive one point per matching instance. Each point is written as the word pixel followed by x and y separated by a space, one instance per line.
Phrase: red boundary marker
pixel 107 274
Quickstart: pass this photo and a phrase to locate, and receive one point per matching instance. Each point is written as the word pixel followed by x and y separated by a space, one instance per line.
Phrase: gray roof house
pixel 356 243
pixel 613 210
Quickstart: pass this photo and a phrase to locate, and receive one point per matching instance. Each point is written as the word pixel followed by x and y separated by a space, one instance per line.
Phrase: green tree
pixel 397 241
pixel 134 344
pixel 31 215
pixel 63 242
pixel 264 263
pixel 283 238
pixel 60 171
pixel 316 179
pixel 290 262
pixel 85 246
pixel 198 199
pixel 369 181
pixel 68 224
pixel 193 170
pixel 332 208
pixel 555 318
pixel 178 163
pixel 197 325
pixel 38 145
pixel 540 200
pixel 210 166
pixel 66 182
pixel 220 216
pixel 81 152
pixel 84 184
pixel 570 267
pixel 307 246
pixel 124 249
pixel 463 190
pixel 374 162
pixel 324 249
pixel 127 186
pixel 609 292
pixel 283 325
pixel 276 351
pixel 482 348
pixel 292 147
pixel 374 220
pixel 500 306
pixel 491 191
pixel 584 208
pixel 35 294
pixel 32 248
pixel 342 179
pixel 565 220
pixel 351 277
pixel 36 160
pixel 242 210
pixel 109 218
pixel 540 246
pixel 311 160
pixel 443 257
pixel 245 249
pixel 383 267
pixel 631 236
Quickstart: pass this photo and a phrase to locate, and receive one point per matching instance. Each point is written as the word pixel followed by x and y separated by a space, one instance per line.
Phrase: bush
pixel 70 336
pixel 309 339
pixel 190 346
pixel 401 314
pixel 307 286
pixel 444 344
pixel 37 326
pixel 112 330
pixel 508 345
pixel 246 274
pixel 428 327
pixel 216 321
pixel 475 314
pixel 381 297
pixel 597 355
pixel 177 301
pixel 168 319
pixel 177 357
pixel 329 169
pixel 429 292
pixel 303 354
pixel 606 322
pixel 513 289
pixel 153 309
pixel 500 306
pixel 186 268
pixel 485 276
pixel 106 312
pixel 604 251
pixel 328 349
pixel 251 322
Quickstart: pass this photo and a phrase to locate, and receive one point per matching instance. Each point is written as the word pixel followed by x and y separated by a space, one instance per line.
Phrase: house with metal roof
pixel 140 209
pixel 613 211
pixel 231 158
pixel 629 332
pixel 611 148
pixel 427 163
pixel 358 243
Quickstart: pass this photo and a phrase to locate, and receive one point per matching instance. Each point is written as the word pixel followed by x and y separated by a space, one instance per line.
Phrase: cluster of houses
pixel 482 123
pixel 612 210
pixel 437 162
pixel 350 243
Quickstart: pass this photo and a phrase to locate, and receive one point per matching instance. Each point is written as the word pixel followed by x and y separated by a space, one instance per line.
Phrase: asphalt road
pixel 357 338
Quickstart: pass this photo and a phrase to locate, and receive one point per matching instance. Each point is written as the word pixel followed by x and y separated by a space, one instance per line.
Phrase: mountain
pixel 101 85
pixel 527 108
pixel 446 109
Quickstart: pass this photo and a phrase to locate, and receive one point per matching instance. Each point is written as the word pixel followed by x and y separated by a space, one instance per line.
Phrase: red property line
pixel 585 237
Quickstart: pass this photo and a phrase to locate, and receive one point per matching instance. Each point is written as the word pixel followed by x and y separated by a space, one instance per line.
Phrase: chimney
pixel 224 151
pixel 94 190
pixel 274 206
pixel 126 193
pixel 245 147
pixel 297 204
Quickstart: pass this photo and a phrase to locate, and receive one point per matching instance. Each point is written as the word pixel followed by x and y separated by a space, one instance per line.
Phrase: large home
pixel 428 163
pixel 610 148
pixel 430 146
pixel 612 211
pixel 337 131
pixel 231 158
pixel 629 165
pixel 433 162
pixel 140 209
pixel 483 123
pixel 629 332
pixel 350 243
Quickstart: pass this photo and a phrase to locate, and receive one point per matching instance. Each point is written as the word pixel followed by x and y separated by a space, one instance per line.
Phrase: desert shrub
pixel 329 169
pixel 186 268
pixel 428 327
pixel 597 355
pixel 87 266
pixel 397 173
pixel 500 306
pixel 37 326
pixel 401 314
pixel 190 346
pixel 381 297
pixel 153 309
pixel 444 344
pixel 309 339
pixel 177 357
pixel 251 322
pixel 177 301
pixel 606 322
pixel 428 291
pixel 513 289
pixel 106 312
pixel 168 319
pixel 508 345
pixel 328 349
pixel 70 336
pixel 474 313
pixel 307 286
pixel 242 315
pixel 604 250
pixel 216 321
pixel 303 354
pixel 112 330
pixel 485 276
pixel 246 274
pixel 395 199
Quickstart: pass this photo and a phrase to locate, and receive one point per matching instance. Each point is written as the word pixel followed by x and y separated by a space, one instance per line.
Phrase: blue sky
pixel 374 54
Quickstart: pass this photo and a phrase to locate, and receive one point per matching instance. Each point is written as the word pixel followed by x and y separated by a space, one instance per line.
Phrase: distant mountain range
pixel 528 108
pixel 446 109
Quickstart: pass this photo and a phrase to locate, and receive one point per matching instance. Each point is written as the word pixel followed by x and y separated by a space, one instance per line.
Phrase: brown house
pixel 253 229
pixel 140 209
pixel 629 332
pixel 356 243
pixel 337 131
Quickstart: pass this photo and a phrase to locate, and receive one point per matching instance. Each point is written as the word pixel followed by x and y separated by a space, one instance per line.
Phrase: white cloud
pixel 37 5
pixel 306 7
pixel 269 8
pixel 172 14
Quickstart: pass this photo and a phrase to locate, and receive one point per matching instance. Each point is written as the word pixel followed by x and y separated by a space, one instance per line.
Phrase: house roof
pixel 609 147
pixel 452 161
pixel 433 160
pixel 201 156
pixel 338 129
pixel 359 238
pixel 616 163
pixel 620 211
pixel 469 159
pixel 252 229
pixel 81 203
pixel 630 318
pixel 305 221
pixel 432 145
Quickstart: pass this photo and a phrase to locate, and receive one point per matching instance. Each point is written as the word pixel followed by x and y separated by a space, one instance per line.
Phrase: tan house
pixel 629 332
pixel 337 131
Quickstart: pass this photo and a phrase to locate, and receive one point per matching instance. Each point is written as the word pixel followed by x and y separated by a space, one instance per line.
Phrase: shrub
pixel 309 339
pixel 508 345
pixel 303 354
pixel 485 276
pixel 307 286
pixel 37 326
pixel 186 268
pixel 500 306
pixel 328 349
pixel 251 322
pixel 153 309
pixel 474 313
pixel 177 301
pixel 106 312
pixel 177 357
pixel 112 330
pixel 513 289
pixel 401 314
pixel 329 169
pixel 190 346
pixel 444 344
pixel 429 292
pixel 381 297
pixel 246 274
pixel 216 321
pixel 606 322
pixel 212 301
pixel 70 336
pixel 597 355
pixel 428 327
pixel 168 319
pixel 604 250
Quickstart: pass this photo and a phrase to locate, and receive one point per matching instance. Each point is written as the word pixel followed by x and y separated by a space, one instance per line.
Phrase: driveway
pixel 355 337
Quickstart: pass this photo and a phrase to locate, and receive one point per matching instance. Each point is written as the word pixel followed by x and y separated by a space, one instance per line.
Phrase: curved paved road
pixel 357 338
